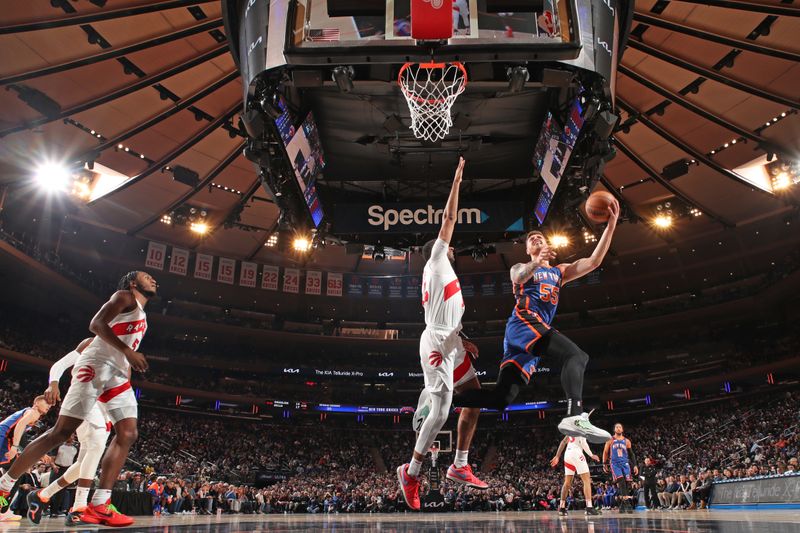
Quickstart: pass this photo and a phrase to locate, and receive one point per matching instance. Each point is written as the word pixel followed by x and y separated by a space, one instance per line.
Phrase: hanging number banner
pixel 313 282
pixel 226 269
pixel 291 280
pixel 203 265
pixel 247 274
pixel 179 263
pixel 334 284
pixel 269 278
pixel 156 254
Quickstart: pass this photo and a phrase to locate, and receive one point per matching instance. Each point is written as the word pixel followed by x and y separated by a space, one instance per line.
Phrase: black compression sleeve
pixel 632 457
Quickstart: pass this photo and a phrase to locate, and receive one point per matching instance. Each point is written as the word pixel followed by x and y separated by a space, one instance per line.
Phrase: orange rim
pixel 429 66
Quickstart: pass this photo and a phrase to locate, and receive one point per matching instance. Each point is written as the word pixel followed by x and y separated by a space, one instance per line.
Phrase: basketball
pixel 597 206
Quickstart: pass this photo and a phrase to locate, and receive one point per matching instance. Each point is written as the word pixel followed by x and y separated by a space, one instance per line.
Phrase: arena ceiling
pixel 143 86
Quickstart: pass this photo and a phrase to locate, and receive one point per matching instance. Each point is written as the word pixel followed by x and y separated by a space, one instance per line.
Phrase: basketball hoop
pixel 431 90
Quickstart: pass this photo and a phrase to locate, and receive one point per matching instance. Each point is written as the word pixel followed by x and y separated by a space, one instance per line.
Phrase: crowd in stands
pixel 197 463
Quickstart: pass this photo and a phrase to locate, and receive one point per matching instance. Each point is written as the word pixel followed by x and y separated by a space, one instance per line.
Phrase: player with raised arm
pixel 575 463
pixel 101 374
pixel 444 359
pixel 92 435
pixel 619 453
pixel 529 335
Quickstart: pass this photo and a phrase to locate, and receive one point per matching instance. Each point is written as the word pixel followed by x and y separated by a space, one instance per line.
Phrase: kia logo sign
pixel 433 505
pixel 385 374
pixel 480 372
pixel 291 370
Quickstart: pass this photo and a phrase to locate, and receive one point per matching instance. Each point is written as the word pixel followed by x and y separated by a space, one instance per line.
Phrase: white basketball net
pixel 431 90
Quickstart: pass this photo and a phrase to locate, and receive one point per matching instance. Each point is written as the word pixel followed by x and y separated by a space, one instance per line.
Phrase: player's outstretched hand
pixel 595 458
pixel 137 361
pixel 459 170
pixel 52 395
pixel 554 462
pixel 613 213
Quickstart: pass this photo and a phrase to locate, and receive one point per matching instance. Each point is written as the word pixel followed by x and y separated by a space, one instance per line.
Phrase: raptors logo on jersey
pixel 441 292
pixel 84 374
pixel 435 358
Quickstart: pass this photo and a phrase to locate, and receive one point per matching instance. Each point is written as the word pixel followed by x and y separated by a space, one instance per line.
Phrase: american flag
pixel 324 35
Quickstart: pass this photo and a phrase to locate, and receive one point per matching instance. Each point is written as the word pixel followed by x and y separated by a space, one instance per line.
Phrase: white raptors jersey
pixel 441 292
pixel 129 328
pixel 576 446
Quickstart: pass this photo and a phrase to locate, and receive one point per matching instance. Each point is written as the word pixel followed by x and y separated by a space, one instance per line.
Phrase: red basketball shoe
pixel 465 476
pixel 410 487
pixel 105 514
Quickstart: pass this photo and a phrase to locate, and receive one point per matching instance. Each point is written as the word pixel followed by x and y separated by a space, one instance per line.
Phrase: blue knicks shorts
pixel 619 470
pixel 523 330
pixel 5 445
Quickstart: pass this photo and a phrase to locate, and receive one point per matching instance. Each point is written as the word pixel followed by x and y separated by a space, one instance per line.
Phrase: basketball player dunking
pixel 618 450
pixel 92 435
pixel 575 463
pixel 445 363
pixel 529 336
pixel 101 374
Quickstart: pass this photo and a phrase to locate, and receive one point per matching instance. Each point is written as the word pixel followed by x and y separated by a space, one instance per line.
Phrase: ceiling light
pixel 166 219
pixel 52 177
pixel 201 228
pixel 781 181
pixel 663 221
pixel 301 244
pixel 559 241
pixel 272 241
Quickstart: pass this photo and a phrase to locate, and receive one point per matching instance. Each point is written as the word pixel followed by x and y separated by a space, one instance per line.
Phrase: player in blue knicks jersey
pixel 619 454
pixel 530 337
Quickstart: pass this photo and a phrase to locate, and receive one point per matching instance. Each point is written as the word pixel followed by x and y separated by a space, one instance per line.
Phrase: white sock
pixel 7 483
pixel 81 496
pixel 589 503
pixel 414 467
pixel 50 490
pixel 101 496
pixel 461 458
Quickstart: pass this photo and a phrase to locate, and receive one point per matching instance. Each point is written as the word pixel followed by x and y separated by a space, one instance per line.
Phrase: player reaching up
pixel 575 463
pixel 619 451
pixel 445 363
pixel 529 336
pixel 92 435
pixel 101 374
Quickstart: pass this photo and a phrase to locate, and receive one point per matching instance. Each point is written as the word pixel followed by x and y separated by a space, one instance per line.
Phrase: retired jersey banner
pixel 247 274
pixel 269 278
pixel 375 287
pixel 291 280
pixel 413 288
pixel 334 284
pixel 467 286
pixel 202 266
pixel 227 267
pixel 489 285
pixel 179 262
pixel 396 287
pixel 156 254
pixel 506 287
pixel 313 282
pixel 421 217
pixel 355 286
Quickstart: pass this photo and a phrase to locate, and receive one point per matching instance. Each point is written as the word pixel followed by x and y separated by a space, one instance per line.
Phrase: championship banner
pixel 334 284
pixel 291 280
pixel 202 266
pixel 227 267
pixel 354 286
pixel 488 285
pixel 375 288
pixel 269 278
pixel 506 287
pixel 179 262
pixel 396 287
pixel 313 282
pixel 247 274
pixel 420 217
pixel 467 286
pixel 156 254
pixel 413 288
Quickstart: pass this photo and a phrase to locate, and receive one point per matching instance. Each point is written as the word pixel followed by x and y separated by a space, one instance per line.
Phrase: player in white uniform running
pixel 445 362
pixel 101 374
pixel 575 463
pixel 92 435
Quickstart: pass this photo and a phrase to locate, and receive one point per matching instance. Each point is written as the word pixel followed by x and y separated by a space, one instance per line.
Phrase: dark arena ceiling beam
pixel 706 114
pixel 754 7
pixel 650 171
pixel 216 171
pixel 112 54
pixel 242 201
pixel 107 14
pixel 169 157
pixel 713 75
pixel 119 93
pixel 713 37
pixel 686 148
pixel 183 104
